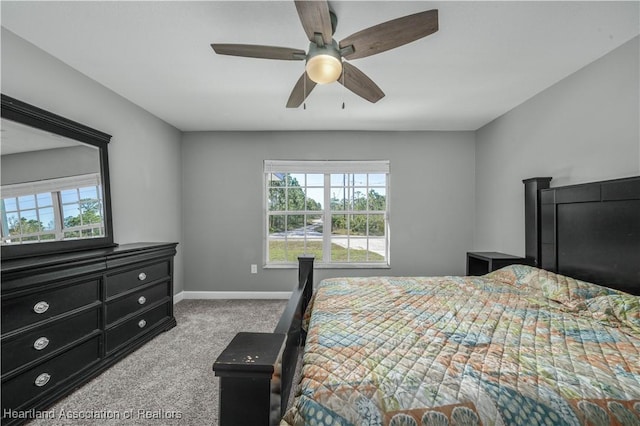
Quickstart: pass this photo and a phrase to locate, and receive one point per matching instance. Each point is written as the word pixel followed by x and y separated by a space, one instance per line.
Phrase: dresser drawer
pixel 48 375
pixel 136 301
pixel 137 325
pixel 35 344
pixel 126 280
pixel 26 310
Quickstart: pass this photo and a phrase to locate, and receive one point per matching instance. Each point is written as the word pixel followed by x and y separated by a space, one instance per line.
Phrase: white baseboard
pixel 231 295
pixel 178 297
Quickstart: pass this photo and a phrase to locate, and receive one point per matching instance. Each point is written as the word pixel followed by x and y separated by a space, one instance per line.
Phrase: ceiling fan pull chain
pixel 343 73
pixel 304 91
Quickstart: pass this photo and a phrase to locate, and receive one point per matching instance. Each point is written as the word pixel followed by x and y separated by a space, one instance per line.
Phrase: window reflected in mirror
pixel 51 187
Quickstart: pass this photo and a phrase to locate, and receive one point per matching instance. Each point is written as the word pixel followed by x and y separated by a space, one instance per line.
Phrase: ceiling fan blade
pixel 356 81
pixel 257 51
pixel 300 91
pixel 391 34
pixel 315 18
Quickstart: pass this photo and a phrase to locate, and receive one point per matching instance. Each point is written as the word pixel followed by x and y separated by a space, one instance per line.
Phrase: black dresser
pixel 67 317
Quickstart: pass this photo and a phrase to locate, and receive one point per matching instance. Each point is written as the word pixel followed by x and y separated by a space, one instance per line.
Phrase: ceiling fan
pixel 324 60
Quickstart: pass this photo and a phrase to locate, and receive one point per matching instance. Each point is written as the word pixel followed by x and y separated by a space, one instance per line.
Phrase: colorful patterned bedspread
pixel 519 346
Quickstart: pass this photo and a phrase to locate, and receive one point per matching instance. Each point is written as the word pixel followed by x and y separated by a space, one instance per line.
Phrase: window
pixel 336 210
pixel 55 209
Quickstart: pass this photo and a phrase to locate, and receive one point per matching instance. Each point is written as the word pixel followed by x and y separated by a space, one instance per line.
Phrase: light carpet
pixel 171 376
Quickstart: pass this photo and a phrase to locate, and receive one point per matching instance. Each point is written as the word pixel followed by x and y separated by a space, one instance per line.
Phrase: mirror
pixel 54 186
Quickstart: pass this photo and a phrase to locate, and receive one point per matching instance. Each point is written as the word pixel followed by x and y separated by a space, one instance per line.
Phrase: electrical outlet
pixel 254 269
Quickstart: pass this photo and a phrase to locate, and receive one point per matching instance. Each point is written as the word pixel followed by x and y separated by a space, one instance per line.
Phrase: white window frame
pixel 327 168
pixel 55 187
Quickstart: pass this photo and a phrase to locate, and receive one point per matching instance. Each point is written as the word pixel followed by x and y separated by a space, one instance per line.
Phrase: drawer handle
pixel 40 307
pixel 142 276
pixel 42 379
pixel 142 300
pixel 41 343
pixel 142 323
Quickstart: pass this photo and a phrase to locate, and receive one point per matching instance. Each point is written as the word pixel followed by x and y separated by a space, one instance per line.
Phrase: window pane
pixel 296 179
pixel 358 224
pixel 360 180
pixel 339 224
pixel 29 215
pixel 13 222
pixel 91 212
pixel 276 224
pixel 47 218
pixel 339 179
pixel 295 198
pixel 91 232
pixel 377 199
pixel 277 199
pixel 276 179
pixel 358 254
pixel 339 249
pixel 315 197
pixel 314 226
pixel 44 199
pixel 315 180
pixel 295 226
pixel 287 250
pixel 88 193
pixel 276 250
pixel 27 202
pixel 377 179
pixel 71 215
pixel 313 235
pixel 314 247
pixel 376 225
pixel 29 222
pixel 340 199
pixel 10 204
pixel 359 199
pixel 69 196
pixel 295 248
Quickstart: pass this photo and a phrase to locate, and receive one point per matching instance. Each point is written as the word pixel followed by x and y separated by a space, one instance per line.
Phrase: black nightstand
pixel 483 262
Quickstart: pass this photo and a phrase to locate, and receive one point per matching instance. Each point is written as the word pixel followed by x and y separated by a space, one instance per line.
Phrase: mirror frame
pixel 21 112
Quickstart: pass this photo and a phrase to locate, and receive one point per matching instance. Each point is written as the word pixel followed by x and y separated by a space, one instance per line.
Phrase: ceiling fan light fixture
pixel 324 69
pixel 324 64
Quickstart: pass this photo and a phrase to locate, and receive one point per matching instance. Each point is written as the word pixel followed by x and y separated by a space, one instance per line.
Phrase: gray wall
pixel 144 153
pixel 431 196
pixel 469 184
pixel 49 164
pixel 584 128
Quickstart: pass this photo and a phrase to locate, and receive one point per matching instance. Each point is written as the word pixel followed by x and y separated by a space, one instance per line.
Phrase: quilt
pixel 518 346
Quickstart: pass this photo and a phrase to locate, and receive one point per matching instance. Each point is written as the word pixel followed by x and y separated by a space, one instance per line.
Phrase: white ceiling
pixel 16 138
pixel 487 58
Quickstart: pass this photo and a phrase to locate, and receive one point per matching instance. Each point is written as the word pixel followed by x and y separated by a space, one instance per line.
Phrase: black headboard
pixel 592 232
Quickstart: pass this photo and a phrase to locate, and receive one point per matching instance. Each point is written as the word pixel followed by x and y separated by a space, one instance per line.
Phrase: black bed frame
pixel 257 369
pixel 589 231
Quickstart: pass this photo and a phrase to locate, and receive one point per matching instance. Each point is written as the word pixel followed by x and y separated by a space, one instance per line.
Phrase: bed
pixel 522 345
pixel 519 346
